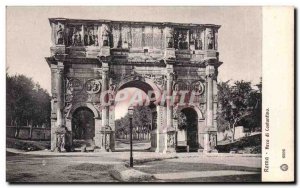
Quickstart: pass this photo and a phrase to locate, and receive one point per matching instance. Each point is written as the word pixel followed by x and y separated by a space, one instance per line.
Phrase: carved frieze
pixel 91 35
pixel 67 108
pixel 80 97
pixel 171 140
pixel 75 35
pixel 159 80
pixel 202 108
pixel 75 84
pixel 215 98
pixel 181 39
pixel 69 91
pixel 197 86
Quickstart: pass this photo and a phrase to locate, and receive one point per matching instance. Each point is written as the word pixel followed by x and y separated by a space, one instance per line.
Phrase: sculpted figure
pixel 171 140
pixel 105 36
pixel 60 139
pixel 107 143
pixel 59 33
pixel 212 142
pixel 210 39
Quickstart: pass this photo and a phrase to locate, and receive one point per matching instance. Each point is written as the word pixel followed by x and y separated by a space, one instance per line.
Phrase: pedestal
pixel 60 135
pixel 170 141
pixel 106 135
pixel 210 141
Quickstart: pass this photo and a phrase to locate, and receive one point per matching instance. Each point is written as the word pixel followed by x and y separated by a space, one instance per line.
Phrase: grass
pixel 27 145
pixel 250 144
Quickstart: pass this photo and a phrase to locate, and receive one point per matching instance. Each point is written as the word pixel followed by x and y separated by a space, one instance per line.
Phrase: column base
pixel 156 150
pixel 105 150
pixel 97 149
pixel 169 150
pixel 56 150
pixel 200 150
pixel 210 151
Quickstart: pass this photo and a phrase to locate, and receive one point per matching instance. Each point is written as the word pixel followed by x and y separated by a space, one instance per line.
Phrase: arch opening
pixel 144 118
pixel 188 128
pixel 83 127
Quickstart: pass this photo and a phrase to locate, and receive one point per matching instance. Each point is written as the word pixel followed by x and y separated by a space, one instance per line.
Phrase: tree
pixel 26 102
pixel 237 103
pixel 255 101
pixel 141 122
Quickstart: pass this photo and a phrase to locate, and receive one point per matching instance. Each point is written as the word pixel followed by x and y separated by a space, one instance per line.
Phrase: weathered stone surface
pixel 126 174
pixel 90 57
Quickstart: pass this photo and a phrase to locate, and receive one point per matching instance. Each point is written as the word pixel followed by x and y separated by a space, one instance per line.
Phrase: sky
pixel 28 35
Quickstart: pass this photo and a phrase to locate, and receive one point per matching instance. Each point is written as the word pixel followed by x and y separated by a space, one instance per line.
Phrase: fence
pixel 28 133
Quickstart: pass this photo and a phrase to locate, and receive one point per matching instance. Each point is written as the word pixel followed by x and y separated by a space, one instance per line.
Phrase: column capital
pixel 105 67
pixel 211 72
pixel 60 68
pixel 170 75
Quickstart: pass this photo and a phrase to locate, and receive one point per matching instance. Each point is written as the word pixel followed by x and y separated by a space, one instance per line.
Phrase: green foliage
pixel 141 121
pixel 239 104
pixel 26 102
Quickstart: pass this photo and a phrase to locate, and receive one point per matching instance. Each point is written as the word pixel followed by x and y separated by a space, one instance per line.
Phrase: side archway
pixel 96 122
pixel 192 134
pixel 196 108
pixel 80 105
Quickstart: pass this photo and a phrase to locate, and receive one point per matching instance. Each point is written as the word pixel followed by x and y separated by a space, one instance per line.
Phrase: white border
pixel 278 94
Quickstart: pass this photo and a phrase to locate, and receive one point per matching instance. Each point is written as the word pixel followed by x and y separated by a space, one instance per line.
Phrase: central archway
pixel 143 127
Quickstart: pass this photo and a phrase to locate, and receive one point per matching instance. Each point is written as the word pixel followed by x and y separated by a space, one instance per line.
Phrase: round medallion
pixel 93 86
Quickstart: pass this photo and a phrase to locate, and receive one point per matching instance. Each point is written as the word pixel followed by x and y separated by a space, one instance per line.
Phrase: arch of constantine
pixel 91 60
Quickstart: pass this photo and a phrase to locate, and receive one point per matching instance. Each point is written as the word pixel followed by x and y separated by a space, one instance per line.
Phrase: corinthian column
pixel 209 96
pixel 170 73
pixel 104 102
pixel 59 91
pixel 58 133
pixel 210 129
pixel 105 69
pixel 170 131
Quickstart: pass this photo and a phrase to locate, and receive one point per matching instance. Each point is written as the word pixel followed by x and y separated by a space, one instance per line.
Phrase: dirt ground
pixel 48 167
pixel 33 168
